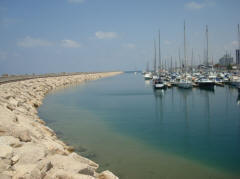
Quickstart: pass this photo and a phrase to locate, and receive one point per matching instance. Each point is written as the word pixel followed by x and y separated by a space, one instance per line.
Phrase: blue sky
pixel 41 36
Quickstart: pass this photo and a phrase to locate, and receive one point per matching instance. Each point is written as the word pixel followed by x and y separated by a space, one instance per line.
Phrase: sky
pixel 51 36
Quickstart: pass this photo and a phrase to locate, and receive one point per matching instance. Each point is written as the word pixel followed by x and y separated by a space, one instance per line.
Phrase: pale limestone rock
pixel 107 175
pixel 4 176
pixel 40 154
pixel 13 101
pixel 83 160
pixel 10 140
pixel 24 136
pixel 30 153
pixel 5 164
pixel 5 151
pixel 23 171
pixel 3 131
pixel 15 159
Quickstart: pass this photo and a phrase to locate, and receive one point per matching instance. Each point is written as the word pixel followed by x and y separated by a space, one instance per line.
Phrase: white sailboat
pixel 206 82
pixel 147 75
pixel 184 82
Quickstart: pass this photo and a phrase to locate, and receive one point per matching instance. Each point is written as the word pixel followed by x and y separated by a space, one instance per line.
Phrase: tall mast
pixel 207 44
pixel 238 37
pixel 155 58
pixel 171 65
pixel 175 69
pixel 199 57
pixel 185 51
pixel 165 64
pixel 179 58
pixel 192 59
pixel 159 51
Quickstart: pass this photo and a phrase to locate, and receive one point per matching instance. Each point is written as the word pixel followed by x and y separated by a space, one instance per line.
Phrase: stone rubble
pixel 28 148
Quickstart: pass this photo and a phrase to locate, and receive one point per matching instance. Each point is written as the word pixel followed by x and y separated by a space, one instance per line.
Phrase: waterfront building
pixel 226 60
pixel 238 56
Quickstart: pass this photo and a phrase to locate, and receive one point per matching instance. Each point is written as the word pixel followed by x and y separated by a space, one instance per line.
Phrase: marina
pixel 147 133
pixel 204 75
pixel 120 89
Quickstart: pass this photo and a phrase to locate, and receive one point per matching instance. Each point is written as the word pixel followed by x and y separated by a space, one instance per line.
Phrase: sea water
pixel 137 132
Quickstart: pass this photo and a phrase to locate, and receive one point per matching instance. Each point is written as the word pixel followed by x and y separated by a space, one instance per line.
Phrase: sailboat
pixel 184 82
pixel 206 82
pixel 155 75
pixel 147 75
pixel 158 83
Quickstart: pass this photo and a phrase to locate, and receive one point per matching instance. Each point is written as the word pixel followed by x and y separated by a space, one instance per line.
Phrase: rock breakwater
pixel 30 149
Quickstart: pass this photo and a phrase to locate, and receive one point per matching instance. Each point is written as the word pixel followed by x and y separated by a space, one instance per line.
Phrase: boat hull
pixel 184 85
pixel 159 86
pixel 206 84
pixel 234 83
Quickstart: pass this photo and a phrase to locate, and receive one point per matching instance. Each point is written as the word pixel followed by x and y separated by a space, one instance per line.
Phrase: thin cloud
pixel 130 45
pixel 106 35
pixel 76 1
pixel 194 5
pixel 29 42
pixel 70 44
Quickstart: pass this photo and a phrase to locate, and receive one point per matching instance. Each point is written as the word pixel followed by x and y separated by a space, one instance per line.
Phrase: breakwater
pixel 30 149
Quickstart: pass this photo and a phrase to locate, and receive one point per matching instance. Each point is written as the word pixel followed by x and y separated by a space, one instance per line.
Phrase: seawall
pixel 30 149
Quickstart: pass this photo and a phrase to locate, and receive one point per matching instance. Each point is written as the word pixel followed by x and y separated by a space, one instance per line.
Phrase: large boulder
pixel 107 175
pixel 5 151
pixel 10 140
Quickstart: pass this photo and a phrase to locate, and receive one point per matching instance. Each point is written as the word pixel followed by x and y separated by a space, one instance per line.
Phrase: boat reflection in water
pixel 159 109
pixel 207 88
pixel 238 99
pixel 147 83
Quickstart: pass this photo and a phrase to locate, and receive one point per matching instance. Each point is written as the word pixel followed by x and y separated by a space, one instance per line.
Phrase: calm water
pixel 126 127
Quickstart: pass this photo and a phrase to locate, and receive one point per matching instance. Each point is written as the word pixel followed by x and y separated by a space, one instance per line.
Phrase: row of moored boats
pixel 205 80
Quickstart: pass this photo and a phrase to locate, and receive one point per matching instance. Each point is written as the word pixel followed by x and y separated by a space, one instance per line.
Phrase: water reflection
pixel 210 89
pixel 238 99
pixel 185 107
pixel 147 83
pixel 159 95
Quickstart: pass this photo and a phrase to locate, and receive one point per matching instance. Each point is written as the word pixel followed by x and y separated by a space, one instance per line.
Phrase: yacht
pixel 205 83
pixel 184 83
pixel 148 76
pixel 235 81
pixel 159 84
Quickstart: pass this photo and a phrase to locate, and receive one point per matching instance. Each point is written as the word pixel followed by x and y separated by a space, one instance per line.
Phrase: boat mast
pixel 171 65
pixel 192 60
pixel 155 58
pixel 207 44
pixel 179 57
pixel 159 52
pixel 147 70
pixel 175 69
pixel 185 50
pixel 238 37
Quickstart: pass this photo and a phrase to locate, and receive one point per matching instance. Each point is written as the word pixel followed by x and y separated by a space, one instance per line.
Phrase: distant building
pixel 238 56
pixel 226 60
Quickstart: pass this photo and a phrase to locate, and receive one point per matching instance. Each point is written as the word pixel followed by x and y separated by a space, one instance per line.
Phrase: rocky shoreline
pixel 30 149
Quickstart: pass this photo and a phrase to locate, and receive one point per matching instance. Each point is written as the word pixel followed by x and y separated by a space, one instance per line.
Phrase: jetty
pixel 30 149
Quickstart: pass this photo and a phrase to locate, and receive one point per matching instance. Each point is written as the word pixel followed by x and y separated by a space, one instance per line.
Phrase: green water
pixel 135 132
